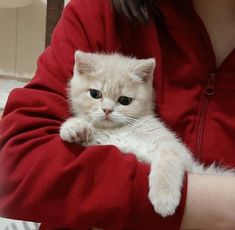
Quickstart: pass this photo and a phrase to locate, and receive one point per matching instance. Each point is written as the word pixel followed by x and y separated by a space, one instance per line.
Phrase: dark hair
pixel 137 10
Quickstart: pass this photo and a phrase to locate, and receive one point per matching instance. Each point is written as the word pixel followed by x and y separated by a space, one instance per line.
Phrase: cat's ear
pixel 84 62
pixel 144 69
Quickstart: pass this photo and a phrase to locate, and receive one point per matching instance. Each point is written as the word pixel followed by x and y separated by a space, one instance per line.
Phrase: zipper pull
pixel 210 87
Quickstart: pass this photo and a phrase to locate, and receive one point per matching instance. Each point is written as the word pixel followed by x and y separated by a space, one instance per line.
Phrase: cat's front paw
pixel 164 202
pixel 76 130
pixel 164 194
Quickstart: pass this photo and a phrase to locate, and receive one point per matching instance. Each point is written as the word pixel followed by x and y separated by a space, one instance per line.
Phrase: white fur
pixel 134 128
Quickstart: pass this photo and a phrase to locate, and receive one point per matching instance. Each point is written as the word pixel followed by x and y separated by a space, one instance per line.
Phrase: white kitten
pixel 111 98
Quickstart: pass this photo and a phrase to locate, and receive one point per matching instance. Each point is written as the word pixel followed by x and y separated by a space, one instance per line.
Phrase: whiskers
pixel 115 119
pixel 94 117
pixel 123 119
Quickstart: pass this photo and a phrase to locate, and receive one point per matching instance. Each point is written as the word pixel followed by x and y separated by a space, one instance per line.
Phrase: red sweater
pixel 46 180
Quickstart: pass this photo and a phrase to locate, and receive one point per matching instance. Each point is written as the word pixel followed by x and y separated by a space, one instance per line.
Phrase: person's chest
pixel 195 97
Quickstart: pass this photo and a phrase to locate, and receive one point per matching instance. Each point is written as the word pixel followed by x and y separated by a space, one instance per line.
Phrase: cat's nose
pixel 107 111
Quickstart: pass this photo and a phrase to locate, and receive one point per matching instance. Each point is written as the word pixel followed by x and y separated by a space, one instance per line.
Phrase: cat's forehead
pixel 115 63
pixel 113 71
pixel 114 84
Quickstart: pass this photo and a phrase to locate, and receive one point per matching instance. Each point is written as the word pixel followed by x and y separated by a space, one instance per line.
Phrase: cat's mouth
pixel 107 118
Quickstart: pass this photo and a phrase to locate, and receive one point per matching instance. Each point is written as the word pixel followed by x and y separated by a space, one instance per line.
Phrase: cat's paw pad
pixel 164 200
pixel 76 131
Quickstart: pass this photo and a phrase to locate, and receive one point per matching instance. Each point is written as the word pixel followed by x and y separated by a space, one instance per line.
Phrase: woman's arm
pixel 210 203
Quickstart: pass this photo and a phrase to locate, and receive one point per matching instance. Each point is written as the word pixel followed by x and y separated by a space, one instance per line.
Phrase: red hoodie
pixel 44 179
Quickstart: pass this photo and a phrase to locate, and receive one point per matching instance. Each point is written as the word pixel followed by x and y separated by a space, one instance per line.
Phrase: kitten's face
pixel 111 90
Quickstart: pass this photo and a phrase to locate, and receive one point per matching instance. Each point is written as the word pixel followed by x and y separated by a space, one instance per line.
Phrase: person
pixel 67 186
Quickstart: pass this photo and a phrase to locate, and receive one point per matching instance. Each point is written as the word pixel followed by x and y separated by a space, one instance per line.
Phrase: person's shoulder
pixel 92 8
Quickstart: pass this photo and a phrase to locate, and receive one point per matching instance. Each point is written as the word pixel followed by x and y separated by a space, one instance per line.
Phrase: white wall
pixel 22 39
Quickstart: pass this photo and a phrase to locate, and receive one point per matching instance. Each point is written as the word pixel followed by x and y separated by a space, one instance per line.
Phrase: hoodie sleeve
pixel 46 180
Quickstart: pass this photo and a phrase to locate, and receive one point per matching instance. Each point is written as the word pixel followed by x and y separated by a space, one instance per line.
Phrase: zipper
pixel 209 63
pixel 209 91
pixel 210 87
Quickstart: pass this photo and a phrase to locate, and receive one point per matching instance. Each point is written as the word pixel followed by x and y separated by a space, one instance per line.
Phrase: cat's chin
pixel 107 124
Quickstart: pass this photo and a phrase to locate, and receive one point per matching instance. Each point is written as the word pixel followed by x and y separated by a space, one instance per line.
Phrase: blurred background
pixel 25 31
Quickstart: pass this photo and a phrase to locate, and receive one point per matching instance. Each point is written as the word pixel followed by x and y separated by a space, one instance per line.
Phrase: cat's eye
pixel 125 100
pixel 95 93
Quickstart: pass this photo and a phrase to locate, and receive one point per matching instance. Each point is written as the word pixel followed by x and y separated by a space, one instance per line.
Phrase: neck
pixel 216 10
pixel 218 17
